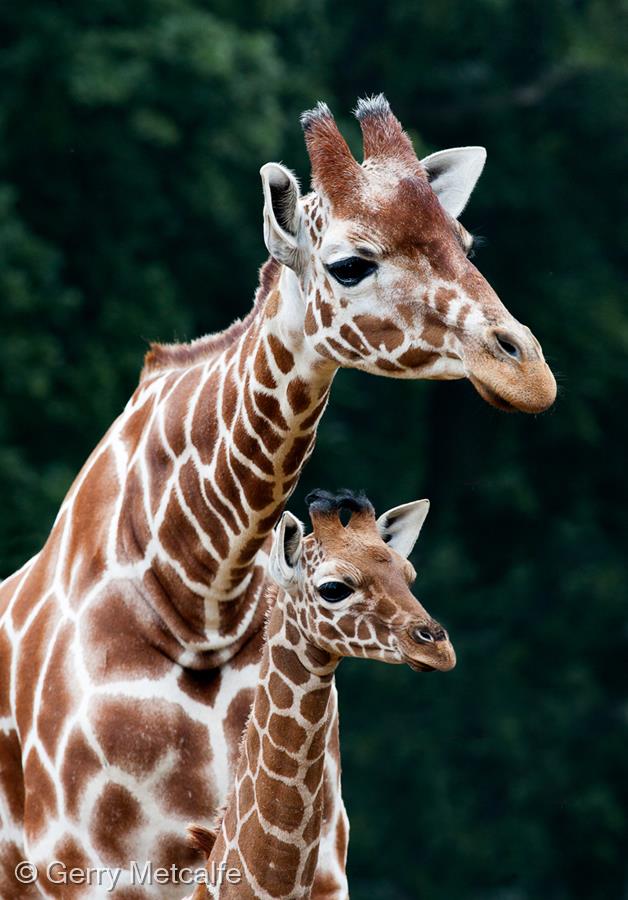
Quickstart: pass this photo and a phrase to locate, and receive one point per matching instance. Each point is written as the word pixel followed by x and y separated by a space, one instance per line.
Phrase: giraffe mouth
pixel 491 396
pixel 399 659
pixel 417 666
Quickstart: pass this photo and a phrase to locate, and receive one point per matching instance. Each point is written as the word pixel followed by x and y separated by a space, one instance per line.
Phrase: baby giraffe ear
pixel 286 550
pixel 453 175
pixel 282 213
pixel 401 526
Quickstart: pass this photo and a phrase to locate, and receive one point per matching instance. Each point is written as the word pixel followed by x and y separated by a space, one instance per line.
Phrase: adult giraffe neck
pixel 216 447
pixel 271 827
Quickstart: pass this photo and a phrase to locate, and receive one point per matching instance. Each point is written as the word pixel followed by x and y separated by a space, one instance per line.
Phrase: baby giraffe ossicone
pixel 343 590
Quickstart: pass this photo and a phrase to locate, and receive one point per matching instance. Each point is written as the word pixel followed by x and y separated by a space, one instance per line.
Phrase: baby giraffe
pixel 344 590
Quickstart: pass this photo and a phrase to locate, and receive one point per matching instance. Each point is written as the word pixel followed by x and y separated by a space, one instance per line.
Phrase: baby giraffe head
pixel 380 264
pixel 348 585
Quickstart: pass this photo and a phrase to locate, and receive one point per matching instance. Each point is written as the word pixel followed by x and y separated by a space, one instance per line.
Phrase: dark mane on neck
pixel 181 356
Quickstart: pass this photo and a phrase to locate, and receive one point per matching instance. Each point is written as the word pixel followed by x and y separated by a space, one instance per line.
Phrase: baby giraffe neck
pixel 271 827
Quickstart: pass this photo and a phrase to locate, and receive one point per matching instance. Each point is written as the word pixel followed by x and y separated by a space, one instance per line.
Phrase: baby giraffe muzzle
pixel 435 652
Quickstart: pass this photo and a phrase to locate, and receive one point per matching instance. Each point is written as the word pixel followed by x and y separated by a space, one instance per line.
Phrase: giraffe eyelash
pixel 469 242
pixel 334 591
pixel 477 241
pixel 351 270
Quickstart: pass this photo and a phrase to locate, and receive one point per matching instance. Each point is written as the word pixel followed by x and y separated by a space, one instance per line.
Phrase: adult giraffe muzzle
pixel 377 255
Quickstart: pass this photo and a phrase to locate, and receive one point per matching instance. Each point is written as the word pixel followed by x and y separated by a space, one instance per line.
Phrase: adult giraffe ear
pixel 401 526
pixel 282 213
pixel 286 551
pixel 453 174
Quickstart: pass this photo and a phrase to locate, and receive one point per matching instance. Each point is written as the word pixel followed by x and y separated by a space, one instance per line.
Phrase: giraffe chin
pixel 417 666
pixel 492 397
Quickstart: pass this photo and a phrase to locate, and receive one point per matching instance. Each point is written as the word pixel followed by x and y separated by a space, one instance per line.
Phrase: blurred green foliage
pixel 130 209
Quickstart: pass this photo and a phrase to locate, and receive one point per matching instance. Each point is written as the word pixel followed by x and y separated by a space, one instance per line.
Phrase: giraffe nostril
pixel 508 344
pixel 509 348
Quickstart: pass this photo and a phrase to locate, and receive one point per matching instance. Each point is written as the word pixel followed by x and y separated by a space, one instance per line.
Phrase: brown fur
pixel 384 137
pixel 334 170
pixel 201 838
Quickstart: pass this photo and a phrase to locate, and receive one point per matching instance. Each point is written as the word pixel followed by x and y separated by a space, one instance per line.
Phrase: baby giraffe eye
pixel 352 270
pixel 334 591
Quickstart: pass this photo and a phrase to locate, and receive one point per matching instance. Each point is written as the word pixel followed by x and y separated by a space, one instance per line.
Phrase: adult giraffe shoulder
pixel 342 591
pixel 130 645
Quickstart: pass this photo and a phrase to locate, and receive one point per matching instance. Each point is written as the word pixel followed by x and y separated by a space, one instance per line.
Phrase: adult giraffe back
pixel 130 646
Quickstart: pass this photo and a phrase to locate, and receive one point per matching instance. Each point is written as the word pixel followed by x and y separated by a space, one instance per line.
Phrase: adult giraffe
pixel 130 646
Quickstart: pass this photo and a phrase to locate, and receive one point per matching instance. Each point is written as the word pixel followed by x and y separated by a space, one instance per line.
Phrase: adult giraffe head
pixel 350 584
pixel 382 262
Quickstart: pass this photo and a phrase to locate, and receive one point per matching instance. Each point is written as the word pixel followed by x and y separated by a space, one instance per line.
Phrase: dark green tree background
pixel 130 209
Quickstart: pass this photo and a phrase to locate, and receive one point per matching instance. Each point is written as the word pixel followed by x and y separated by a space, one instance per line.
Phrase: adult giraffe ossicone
pixel 130 646
pixel 342 591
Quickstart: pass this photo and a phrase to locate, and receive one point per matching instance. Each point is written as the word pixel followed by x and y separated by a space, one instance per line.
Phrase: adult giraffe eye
pixel 351 271
pixel 334 591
